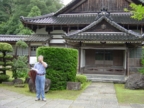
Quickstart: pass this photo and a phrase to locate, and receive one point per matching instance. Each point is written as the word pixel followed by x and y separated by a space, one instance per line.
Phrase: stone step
pixel 105 78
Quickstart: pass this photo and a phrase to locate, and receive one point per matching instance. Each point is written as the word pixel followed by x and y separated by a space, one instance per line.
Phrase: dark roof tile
pixel 27 38
pixel 122 18
pixel 104 37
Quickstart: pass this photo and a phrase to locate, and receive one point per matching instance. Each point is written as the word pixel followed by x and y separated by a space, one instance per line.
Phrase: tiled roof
pixel 82 18
pixel 111 22
pixel 28 38
pixel 72 3
pixel 11 38
pixel 113 36
pixel 123 35
pixel 38 38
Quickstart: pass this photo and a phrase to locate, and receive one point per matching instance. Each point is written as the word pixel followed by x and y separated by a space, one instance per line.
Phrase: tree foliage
pixel 20 67
pixel 137 11
pixel 4 57
pixel 21 44
pixel 5 47
pixel 5 10
pixel 11 10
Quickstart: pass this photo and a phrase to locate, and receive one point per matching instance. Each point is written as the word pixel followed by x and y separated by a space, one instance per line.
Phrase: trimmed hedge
pixel 62 65
pixel 3 78
pixel 81 78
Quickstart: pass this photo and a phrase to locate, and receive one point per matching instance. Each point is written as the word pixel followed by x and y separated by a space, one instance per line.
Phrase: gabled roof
pixel 123 35
pixel 83 18
pixel 27 38
pixel 61 17
pixel 74 3
pixel 69 5
pixel 102 37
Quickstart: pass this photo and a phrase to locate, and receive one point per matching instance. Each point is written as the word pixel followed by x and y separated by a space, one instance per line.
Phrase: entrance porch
pixel 103 61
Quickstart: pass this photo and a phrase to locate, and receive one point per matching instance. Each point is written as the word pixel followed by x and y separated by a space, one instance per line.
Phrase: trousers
pixel 40 86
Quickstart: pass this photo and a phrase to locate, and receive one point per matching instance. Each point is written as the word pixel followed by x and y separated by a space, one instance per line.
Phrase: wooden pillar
pixel 29 51
pixel 141 29
pixel 127 62
pixel 80 56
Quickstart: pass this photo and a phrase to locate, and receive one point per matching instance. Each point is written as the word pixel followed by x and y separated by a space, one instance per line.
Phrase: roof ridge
pixel 37 17
pixel 1 35
pixel 69 4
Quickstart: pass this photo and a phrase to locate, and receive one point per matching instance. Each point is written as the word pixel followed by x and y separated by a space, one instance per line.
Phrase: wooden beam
pixel 108 48
pixel 29 51
pixel 127 62
pixel 80 56
pixel 141 29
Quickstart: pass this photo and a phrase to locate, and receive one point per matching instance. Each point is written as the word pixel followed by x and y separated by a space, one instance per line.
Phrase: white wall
pixel 82 58
pixel 36 44
pixel 33 60
pixel 41 31
pixel 57 41
pixel 58 31
pixel 124 64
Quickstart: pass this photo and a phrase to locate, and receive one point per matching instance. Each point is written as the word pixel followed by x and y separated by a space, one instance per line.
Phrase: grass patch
pixel 57 94
pixel 129 96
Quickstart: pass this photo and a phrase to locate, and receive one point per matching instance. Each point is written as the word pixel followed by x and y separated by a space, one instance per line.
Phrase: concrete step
pixel 105 78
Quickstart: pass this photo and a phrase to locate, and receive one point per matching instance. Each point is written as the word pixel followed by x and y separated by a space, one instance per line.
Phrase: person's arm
pixel 44 64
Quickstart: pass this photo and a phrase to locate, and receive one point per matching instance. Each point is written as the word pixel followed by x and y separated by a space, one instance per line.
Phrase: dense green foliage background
pixel 11 10
pixel 62 65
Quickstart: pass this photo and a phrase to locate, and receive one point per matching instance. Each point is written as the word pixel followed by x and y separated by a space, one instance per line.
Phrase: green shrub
pixel 1 63
pixel 1 55
pixel 4 49
pixel 3 78
pixel 62 65
pixel 9 63
pixel 8 56
pixel 20 67
pixel 141 70
pixel 81 78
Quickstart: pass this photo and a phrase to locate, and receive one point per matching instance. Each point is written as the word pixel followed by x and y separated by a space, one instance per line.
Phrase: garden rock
pixel 18 81
pixel 73 85
pixel 135 81
pixel 27 80
pixel 32 85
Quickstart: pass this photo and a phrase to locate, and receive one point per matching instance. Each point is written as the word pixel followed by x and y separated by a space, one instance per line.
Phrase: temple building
pixel 108 40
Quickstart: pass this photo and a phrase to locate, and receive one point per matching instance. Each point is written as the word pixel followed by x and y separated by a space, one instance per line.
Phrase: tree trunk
pixel 4 61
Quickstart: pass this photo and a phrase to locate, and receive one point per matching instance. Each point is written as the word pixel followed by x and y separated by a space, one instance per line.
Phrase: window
pixel 99 55
pixel 33 50
pixel 104 55
pixel 108 55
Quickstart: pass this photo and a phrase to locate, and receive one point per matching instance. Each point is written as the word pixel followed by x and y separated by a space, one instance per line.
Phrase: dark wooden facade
pixel 92 6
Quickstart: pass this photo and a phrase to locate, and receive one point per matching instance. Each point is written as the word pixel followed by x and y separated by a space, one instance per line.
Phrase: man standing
pixel 40 66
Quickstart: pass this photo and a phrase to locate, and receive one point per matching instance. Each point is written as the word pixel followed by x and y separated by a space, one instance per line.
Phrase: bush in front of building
pixel 141 70
pixel 3 78
pixel 81 78
pixel 5 58
pixel 62 65
pixel 20 67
